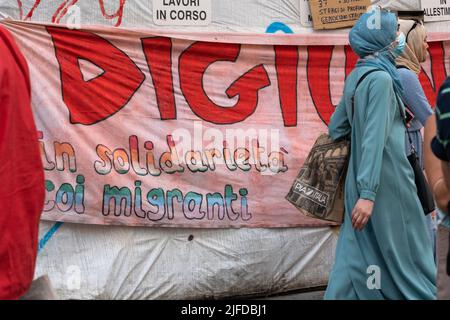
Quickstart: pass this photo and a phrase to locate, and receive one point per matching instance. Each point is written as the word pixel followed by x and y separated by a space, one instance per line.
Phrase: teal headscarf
pixel 372 37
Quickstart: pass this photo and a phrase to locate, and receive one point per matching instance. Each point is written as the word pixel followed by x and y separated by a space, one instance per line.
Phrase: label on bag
pixel 312 194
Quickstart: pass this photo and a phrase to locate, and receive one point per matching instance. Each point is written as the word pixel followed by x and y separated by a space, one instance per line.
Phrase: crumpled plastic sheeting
pixel 227 16
pixel 253 16
pixel 108 262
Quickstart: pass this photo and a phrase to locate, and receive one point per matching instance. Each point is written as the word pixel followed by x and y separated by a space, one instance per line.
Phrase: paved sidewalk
pixel 315 295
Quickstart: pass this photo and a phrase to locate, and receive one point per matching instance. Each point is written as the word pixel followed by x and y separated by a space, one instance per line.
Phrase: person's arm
pixel 414 96
pixel 434 167
pixel 379 115
pixel 339 125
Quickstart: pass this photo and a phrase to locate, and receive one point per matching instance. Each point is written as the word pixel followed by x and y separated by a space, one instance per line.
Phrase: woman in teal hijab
pixel 383 250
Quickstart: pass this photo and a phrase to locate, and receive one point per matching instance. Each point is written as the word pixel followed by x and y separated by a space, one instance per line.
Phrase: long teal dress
pixel 395 240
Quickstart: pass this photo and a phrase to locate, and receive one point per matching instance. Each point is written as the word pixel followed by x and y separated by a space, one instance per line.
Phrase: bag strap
pixel 402 67
pixel 413 150
pixel 357 85
pixel 403 115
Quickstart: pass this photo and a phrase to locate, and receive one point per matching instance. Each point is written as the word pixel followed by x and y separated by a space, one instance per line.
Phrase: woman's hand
pixel 361 213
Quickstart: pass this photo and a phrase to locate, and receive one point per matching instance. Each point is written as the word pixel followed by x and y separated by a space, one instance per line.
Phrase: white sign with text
pixel 182 12
pixel 436 10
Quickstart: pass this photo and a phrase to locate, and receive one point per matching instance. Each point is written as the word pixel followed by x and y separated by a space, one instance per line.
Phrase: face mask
pixel 401 44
